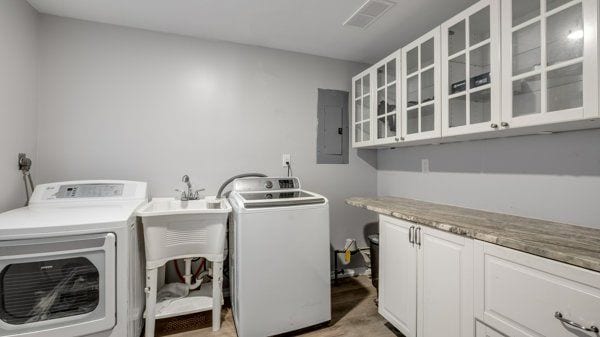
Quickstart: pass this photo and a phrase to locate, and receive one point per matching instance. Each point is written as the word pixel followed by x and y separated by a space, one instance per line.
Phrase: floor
pixel 354 313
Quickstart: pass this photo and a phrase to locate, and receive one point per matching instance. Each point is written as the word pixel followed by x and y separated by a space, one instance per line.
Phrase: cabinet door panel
pixel 446 278
pixel 421 77
pixel 471 72
pixel 398 275
pixel 519 294
pixel 549 61
pixel 362 108
pixel 387 100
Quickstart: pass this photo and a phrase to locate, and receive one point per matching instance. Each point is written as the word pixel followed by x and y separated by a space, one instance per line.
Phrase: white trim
pixel 523 24
pixel 526 75
pixel 564 64
pixel 561 7
pixel 482 43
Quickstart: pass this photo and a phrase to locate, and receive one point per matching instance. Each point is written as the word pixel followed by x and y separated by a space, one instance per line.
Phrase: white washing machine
pixel 279 257
pixel 71 262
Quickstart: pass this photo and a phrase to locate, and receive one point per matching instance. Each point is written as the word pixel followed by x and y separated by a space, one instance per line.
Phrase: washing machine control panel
pixel 267 183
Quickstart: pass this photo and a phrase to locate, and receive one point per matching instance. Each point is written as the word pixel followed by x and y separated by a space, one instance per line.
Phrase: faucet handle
pixel 197 193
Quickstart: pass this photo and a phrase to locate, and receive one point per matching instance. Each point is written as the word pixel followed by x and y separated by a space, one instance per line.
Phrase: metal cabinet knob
pixel 494 126
pixel 504 124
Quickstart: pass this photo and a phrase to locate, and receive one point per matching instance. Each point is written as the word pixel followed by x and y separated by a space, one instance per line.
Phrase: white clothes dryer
pixel 71 262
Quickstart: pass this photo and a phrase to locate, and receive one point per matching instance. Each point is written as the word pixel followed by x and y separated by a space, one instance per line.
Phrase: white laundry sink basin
pixel 172 206
pixel 175 229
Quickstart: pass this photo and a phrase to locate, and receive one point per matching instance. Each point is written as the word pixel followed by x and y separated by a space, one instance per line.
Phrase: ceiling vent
pixel 368 13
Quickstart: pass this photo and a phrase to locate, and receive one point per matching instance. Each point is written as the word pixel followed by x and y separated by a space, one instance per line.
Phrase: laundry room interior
pixel 320 168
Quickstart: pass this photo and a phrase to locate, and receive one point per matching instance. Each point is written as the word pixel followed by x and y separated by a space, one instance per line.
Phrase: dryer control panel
pixel 90 191
pixel 72 191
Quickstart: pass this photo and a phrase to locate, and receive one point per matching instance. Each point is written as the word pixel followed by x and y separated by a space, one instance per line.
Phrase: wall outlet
pixel 286 158
pixel 425 165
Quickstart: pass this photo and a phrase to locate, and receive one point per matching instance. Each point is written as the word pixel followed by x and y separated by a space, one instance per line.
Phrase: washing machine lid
pixel 279 198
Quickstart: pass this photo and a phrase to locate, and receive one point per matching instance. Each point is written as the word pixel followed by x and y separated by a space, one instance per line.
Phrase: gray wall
pixel 18 82
pixel 124 103
pixel 554 177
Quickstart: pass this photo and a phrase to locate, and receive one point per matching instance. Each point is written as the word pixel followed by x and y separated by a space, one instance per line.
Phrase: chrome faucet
pixel 189 193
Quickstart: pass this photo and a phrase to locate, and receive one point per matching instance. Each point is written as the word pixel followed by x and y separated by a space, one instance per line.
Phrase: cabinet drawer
pixel 519 294
pixel 482 330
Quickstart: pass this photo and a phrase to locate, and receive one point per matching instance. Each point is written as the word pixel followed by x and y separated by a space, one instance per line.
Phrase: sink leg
pixel 188 272
pixel 151 284
pixel 216 295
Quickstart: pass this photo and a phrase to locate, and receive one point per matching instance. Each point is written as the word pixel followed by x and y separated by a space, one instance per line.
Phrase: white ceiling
pixel 307 26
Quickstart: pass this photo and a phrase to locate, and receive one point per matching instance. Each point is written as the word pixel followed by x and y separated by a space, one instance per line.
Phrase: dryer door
pixel 57 286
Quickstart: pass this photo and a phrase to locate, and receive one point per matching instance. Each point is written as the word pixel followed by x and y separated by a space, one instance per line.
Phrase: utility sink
pixel 172 206
pixel 175 229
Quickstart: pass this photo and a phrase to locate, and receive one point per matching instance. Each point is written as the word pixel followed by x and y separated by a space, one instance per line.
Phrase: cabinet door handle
pixel 559 316
pixel 411 234
pixel 418 236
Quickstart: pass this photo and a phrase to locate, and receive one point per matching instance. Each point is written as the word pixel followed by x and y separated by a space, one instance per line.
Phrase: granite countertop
pixel 576 245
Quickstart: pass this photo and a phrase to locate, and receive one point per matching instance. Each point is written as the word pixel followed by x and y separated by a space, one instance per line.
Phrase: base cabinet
pixel 426 280
pixel 434 283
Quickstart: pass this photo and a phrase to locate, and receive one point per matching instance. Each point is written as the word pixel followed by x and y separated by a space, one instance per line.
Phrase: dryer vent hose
pixel 228 181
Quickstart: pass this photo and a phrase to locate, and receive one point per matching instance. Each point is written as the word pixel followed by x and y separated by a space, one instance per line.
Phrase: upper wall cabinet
pixel 361 109
pixel 471 70
pixel 499 68
pixel 550 69
pixel 387 98
pixel 421 114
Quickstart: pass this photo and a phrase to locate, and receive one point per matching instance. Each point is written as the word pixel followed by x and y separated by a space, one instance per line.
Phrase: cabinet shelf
pixel 480 88
pixel 527 23
pixel 386 85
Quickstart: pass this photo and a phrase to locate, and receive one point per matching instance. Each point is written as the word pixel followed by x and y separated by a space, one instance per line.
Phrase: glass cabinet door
pixel 421 83
pixel 362 109
pixel 387 100
pixel 550 67
pixel 471 79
